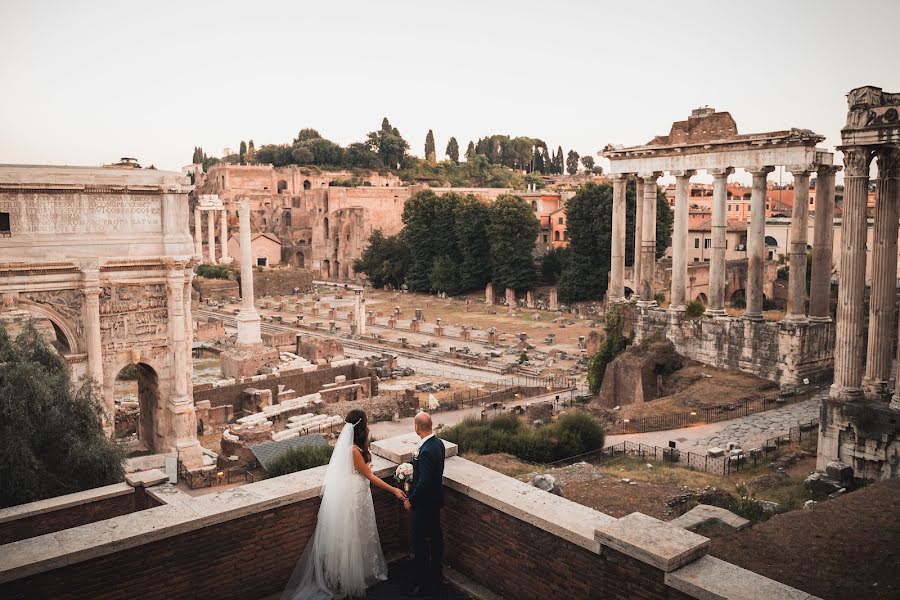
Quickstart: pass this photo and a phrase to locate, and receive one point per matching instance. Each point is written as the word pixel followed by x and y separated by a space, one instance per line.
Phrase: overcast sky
pixel 87 82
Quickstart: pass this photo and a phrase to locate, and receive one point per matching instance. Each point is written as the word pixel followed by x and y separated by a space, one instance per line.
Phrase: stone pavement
pixel 750 431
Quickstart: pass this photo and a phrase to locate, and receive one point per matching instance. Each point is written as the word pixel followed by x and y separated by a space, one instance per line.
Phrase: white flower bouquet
pixel 404 475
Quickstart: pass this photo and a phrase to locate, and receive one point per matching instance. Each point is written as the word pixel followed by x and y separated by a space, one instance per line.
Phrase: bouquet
pixel 404 475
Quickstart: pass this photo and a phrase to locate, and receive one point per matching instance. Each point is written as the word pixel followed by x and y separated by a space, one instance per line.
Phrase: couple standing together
pixel 343 557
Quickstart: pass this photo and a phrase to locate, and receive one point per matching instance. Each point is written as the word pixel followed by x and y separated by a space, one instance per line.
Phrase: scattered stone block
pixel 546 483
pixel 715 452
pixel 146 478
pixel 839 471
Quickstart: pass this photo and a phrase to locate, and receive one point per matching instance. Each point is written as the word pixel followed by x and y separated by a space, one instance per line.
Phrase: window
pixel 556 235
pixel 696 259
pixel 261 261
pixel 545 238
pixel 707 243
pixel 4 224
pixel 560 220
pixel 726 244
pixel 696 242
pixel 534 205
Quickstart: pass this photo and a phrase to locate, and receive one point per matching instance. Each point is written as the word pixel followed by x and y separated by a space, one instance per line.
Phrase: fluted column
pixel 883 297
pixel 756 247
pixel 198 232
pixel 211 235
pixel 648 239
pixel 223 234
pixel 638 228
pixel 248 320
pixel 188 329
pixel 796 305
pixel 823 240
pixel 182 430
pixel 679 239
pixel 617 249
pixel 719 228
pixel 850 337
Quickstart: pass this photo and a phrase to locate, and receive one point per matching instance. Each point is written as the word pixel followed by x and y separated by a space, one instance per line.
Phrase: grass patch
pixel 300 459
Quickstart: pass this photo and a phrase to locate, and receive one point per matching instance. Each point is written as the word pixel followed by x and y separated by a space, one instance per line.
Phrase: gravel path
pixel 749 431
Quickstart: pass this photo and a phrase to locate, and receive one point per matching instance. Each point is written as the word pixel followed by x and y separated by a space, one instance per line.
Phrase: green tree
pixel 51 432
pixel 430 152
pixel 361 156
pixel 444 276
pixel 512 229
pixel 198 155
pixel 384 260
pixel 553 264
pixel 588 162
pixel 471 222
pixel 572 162
pixel 664 221
pixel 613 344
pixel 388 144
pixel 242 152
pixel 470 150
pixel 453 150
pixel 420 216
pixel 558 161
pixel 589 225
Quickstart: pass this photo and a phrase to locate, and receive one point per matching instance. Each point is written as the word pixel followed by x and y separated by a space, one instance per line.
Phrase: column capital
pixel 856 161
pixel 888 163
pixel 650 175
pixel 618 176
pixel 721 172
pixel 800 170
pixel 683 173
pixel 824 170
pixel 759 171
pixel 92 292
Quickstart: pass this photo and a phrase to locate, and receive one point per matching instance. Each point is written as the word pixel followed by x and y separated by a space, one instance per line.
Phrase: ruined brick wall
pixel 248 558
pixel 706 128
pixel 281 282
pixel 518 560
pixel 216 289
pixel 73 516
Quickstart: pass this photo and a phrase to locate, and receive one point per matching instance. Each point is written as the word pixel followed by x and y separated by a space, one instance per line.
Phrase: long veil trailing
pixel 343 556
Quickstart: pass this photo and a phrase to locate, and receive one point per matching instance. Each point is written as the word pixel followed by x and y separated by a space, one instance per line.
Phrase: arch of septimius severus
pixel 105 254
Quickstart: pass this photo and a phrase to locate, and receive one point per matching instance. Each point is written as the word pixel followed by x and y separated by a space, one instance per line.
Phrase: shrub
pixel 613 345
pixel 300 459
pixel 588 430
pixel 660 297
pixel 214 271
pixel 695 308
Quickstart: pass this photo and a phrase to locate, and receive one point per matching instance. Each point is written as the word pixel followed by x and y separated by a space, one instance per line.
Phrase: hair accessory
pixel 358 421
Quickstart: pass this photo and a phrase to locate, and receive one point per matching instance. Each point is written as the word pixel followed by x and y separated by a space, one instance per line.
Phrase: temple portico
pixel 215 210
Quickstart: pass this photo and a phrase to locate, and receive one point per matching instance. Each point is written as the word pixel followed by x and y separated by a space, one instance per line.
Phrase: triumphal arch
pixel 106 256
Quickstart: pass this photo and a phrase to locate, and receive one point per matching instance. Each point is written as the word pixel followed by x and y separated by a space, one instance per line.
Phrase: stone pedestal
pixel 489 294
pixel 554 305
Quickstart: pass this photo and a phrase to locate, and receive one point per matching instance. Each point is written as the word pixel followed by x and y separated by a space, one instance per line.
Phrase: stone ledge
pixel 553 514
pixel 146 478
pixel 710 578
pixel 703 513
pixel 400 448
pixel 652 541
pixel 31 509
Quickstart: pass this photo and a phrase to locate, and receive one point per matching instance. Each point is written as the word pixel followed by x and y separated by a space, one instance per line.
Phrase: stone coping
pixel 401 448
pixel 553 514
pixel 710 578
pixel 24 511
pixel 652 541
pixel 703 513
pixel 184 513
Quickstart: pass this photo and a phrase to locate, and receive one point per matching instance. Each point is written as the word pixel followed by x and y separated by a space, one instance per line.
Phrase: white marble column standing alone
pixel 198 233
pixel 679 239
pixel 211 235
pixel 617 250
pixel 248 320
pixel 719 227
pixel 796 305
pixel 223 235
pixel 756 247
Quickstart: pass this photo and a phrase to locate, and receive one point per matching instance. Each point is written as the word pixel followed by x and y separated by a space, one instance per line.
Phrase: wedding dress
pixel 343 557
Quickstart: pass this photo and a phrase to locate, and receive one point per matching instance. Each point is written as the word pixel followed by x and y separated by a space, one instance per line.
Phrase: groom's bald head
pixel 423 424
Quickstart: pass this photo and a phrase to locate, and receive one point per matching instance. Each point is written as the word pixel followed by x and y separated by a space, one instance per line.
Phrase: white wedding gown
pixel 343 557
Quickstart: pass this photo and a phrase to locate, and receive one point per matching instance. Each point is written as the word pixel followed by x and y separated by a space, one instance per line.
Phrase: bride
pixel 343 557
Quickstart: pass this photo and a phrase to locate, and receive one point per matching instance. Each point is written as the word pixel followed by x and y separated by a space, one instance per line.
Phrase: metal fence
pixel 720 465
pixel 713 414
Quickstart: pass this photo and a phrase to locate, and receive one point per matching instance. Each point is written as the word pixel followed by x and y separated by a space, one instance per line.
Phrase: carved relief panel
pixel 133 315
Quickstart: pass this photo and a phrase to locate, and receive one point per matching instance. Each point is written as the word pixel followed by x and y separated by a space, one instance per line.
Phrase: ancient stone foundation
pixel 783 352
pixel 864 435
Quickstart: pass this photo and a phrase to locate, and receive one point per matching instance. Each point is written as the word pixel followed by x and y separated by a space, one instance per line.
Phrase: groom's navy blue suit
pixel 426 498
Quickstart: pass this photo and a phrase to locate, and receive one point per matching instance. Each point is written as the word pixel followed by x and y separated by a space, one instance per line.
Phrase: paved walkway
pixel 750 431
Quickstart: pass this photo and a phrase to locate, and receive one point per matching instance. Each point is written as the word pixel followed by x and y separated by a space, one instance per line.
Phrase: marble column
pixel 796 304
pixel 889 189
pixel 188 329
pixel 211 235
pixel 617 250
pixel 883 296
pixel 94 341
pixel 849 345
pixel 223 235
pixel 180 407
pixel 638 228
pixel 248 320
pixel 823 241
pixel 756 246
pixel 680 239
pixel 198 232
pixel 648 239
pixel 719 227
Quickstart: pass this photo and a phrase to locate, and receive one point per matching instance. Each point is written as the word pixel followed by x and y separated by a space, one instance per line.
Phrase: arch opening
pixel 136 397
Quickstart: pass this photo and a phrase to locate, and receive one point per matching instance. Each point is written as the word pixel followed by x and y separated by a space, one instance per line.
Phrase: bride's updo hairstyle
pixel 360 432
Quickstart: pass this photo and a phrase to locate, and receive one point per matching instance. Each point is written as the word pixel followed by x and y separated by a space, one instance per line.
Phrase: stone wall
pixel 864 435
pixel 782 352
pixel 281 282
pixel 72 510
pixel 216 289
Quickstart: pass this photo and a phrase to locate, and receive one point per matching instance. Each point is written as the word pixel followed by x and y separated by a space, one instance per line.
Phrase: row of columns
pixel 211 233
pixel 645 241
pixel 855 377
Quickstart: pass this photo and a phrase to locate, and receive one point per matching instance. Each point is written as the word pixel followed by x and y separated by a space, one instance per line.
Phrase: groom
pixel 426 497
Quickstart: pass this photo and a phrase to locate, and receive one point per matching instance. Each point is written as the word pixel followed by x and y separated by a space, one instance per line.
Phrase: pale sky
pixel 85 82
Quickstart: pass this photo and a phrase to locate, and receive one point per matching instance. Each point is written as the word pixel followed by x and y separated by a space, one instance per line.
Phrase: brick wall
pixel 281 282
pixel 73 516
pixel 518 560
pixel 243 559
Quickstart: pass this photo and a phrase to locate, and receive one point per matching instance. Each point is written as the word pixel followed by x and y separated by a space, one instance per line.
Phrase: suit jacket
pixel 427 492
